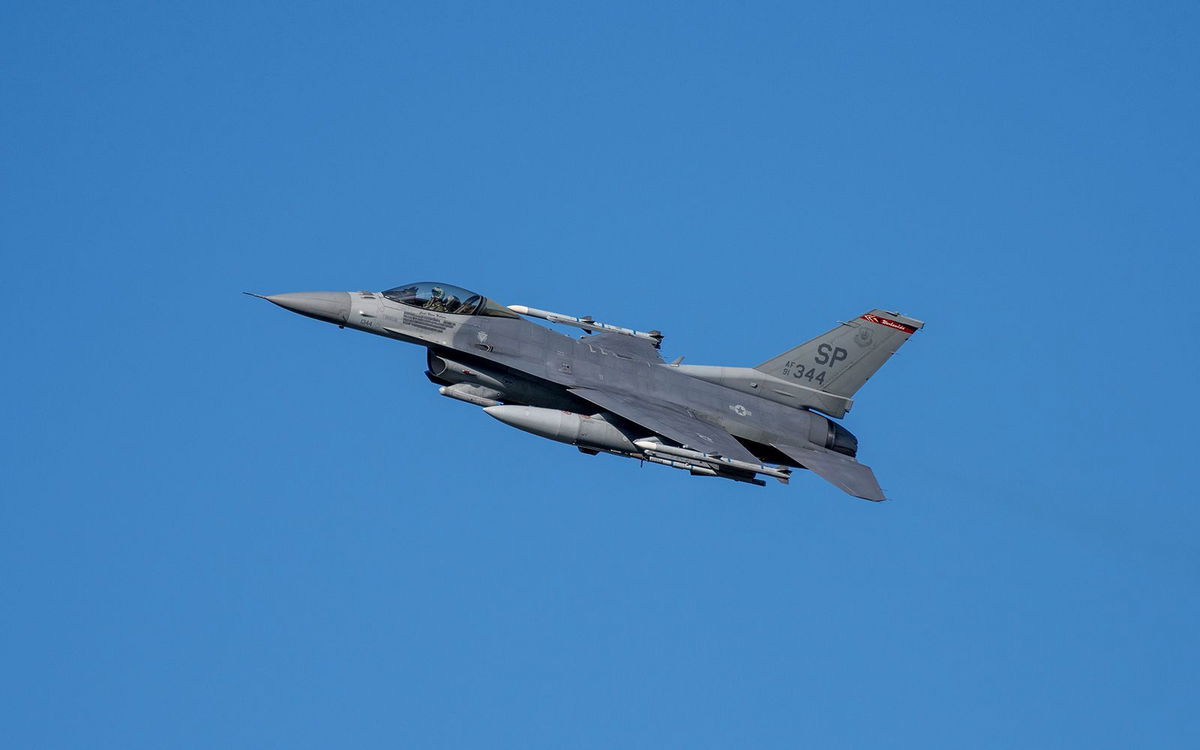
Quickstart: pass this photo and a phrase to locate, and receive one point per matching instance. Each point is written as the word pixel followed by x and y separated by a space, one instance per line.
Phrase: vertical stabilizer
pixel 841 360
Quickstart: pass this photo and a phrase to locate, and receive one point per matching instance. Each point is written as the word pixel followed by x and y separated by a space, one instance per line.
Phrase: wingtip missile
pixel 587 323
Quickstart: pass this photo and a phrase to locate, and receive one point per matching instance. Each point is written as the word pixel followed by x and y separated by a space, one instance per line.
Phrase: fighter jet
pixel 610 391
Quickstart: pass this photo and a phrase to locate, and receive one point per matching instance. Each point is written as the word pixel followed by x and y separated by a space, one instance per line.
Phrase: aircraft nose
pixel 331 306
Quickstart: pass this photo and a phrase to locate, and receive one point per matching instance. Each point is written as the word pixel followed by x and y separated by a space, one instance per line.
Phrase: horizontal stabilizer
pixel 842 471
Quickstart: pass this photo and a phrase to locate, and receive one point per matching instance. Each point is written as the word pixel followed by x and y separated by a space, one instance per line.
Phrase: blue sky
pixel 224 525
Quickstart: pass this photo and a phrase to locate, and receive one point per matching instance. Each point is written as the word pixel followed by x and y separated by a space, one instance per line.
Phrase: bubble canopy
pixel 445 298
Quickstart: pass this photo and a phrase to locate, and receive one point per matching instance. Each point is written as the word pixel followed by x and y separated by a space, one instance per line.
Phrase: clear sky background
pixel 224 525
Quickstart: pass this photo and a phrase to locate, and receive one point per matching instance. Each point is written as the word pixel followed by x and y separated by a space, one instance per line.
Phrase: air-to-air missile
pixel 586 323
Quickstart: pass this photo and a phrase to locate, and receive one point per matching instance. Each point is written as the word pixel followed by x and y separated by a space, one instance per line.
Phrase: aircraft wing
pixel 844 472
pixel 671 421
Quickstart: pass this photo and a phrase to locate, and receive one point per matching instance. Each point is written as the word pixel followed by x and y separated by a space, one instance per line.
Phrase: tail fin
pixel 841 360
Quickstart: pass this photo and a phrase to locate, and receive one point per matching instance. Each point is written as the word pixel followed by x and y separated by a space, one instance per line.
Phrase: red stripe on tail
pixel 889 323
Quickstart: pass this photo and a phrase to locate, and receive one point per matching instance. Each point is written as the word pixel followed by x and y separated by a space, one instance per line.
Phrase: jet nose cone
pixel 331 306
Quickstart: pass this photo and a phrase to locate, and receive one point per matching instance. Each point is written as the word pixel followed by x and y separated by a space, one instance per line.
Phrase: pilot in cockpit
pixel 437 300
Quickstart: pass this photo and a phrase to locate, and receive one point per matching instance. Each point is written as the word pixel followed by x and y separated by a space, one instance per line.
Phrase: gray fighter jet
pixel 610 391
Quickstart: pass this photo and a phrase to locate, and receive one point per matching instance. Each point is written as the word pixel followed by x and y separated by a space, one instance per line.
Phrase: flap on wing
pixel 844 472
pixel 671 421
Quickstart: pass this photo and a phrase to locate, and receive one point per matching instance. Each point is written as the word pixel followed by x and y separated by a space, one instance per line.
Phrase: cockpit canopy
pixel 446 298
